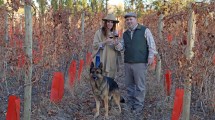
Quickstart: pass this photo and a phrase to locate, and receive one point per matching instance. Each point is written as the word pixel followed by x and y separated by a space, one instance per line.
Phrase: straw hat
pixel 110 17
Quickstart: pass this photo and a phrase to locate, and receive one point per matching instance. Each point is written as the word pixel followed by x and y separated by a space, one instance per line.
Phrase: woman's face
pixel 109 24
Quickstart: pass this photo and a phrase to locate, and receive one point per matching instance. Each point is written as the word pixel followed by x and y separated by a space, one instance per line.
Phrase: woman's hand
pixel 108 41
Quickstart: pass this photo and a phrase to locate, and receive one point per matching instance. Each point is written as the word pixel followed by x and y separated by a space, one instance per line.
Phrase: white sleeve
pixel 151 43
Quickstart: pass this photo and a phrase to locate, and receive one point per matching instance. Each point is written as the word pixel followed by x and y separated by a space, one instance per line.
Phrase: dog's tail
pixel 122 100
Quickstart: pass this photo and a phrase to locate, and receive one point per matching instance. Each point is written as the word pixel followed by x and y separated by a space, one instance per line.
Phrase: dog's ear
pixel 101 65
pixel 92 65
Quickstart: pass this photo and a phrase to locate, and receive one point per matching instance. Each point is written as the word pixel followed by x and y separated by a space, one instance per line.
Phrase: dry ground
pixel 78 104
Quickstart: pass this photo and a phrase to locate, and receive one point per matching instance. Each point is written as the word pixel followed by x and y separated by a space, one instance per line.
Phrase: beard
pixel 131 27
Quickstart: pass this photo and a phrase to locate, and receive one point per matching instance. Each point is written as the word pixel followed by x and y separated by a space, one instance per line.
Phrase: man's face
pixel 131 22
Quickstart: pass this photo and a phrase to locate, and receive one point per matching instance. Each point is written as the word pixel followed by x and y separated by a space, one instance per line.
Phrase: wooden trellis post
pixel 160 29
pixel 82 34
pixel 160 26
pixel 189 55
pixel 28 65
pixel 82 27
pixel 6 27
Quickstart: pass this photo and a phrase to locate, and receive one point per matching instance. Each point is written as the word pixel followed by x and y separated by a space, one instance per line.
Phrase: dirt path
pixel 79 104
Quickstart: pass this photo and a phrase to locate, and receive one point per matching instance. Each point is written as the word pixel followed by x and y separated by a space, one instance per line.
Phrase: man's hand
pixel 118 46
pixel 150 61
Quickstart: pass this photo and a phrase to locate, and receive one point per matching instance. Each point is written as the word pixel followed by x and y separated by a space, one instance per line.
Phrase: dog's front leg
pixel 97 107
pixel 106 105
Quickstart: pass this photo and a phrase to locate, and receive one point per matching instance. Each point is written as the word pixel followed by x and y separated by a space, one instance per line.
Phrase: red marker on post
pixel 169 38
pixel 178 104
pixel 57 89
pixel 168 81
pixel 13 110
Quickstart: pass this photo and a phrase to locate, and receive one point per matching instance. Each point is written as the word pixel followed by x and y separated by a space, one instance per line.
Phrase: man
pixel 139 50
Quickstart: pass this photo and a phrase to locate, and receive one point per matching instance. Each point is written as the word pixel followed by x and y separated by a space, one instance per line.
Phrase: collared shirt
pixel 132 31
pixel 150 42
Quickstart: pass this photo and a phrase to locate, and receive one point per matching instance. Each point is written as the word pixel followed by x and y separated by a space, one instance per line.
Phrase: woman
pixel 104 46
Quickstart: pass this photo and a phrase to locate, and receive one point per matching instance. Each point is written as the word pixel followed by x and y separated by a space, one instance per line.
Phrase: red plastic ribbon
pixel 178 104
pixel 57 89
pixel 168 81
pixel 13 110
pixel 169 38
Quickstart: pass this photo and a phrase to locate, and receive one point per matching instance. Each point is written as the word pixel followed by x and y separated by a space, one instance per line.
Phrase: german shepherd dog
pixel 104 88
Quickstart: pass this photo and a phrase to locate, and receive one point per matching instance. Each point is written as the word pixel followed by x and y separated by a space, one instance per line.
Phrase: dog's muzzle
pixel 95 77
